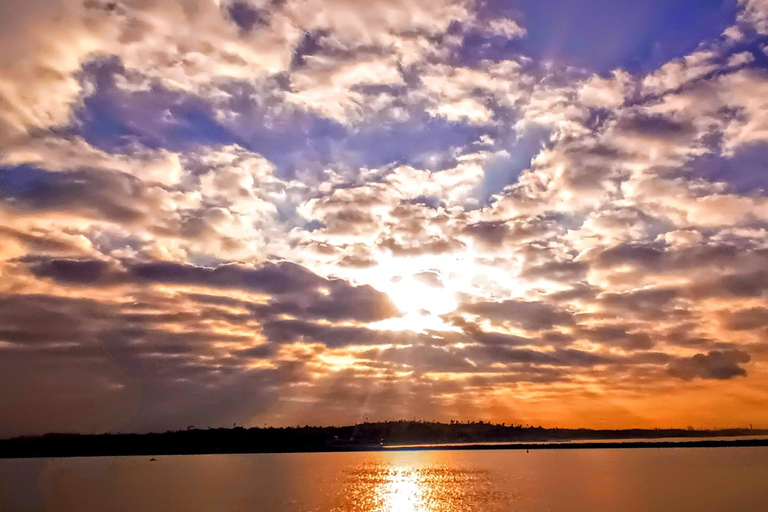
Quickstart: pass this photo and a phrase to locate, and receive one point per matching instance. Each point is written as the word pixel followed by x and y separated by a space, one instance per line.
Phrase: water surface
pixel 646 480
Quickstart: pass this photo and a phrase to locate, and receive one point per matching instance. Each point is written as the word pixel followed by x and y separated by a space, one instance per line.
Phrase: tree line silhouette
pixel 364 436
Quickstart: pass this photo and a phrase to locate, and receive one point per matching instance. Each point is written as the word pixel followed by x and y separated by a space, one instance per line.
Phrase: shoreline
pixel 557 445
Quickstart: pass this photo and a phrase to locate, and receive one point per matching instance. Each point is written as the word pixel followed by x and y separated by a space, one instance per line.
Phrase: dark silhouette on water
pixel 411 435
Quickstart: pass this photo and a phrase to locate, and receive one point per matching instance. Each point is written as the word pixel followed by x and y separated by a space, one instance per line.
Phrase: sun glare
pixel 411 296
pixel 425 487
pixel 404 494
pixel 421 306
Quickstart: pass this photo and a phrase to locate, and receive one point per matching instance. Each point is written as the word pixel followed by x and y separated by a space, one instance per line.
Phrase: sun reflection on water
pixel 391 488
pixel 404 494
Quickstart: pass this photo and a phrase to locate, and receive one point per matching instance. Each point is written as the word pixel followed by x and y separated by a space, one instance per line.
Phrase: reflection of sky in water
pixel 394 488
pixel 679 480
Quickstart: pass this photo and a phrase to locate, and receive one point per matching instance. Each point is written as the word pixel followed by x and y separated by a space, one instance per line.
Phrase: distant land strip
pixel 703 443
pixel 386 436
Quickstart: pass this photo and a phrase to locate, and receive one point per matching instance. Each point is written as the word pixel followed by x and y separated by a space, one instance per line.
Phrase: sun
pixel 424 289
pixel 412 296
pixel 422 306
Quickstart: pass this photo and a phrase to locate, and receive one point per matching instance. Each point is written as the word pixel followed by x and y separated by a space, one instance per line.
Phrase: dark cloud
pixel 245 15
pixel 655 127
pixel 423 358
pixel 353 261
pixel 578 292
pixel 291 331
pixel 560 357
pixel 77 272
pixel 294 290
pixel 265 351
pixel 643 256
pixel 648 304
pixel 477 335
pixel 494 357
pixel 346 302
pixel 490 232
pixel 272 278
pixel 619 336
pixel 748 284
pixel 99 194
pixel 41 319
pixel 88 364
pixel 310 295
pixel 525 229
pixel 533 316
pixel 712 365
pixel 338 302
pixel 745 319
pixel 657 258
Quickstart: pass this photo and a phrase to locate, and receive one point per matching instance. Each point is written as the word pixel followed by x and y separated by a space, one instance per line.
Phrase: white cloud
pixel 606 92
pixel 504 27
pixel 755 13
pixel 677 73
pixel 740 59
pixel 330 86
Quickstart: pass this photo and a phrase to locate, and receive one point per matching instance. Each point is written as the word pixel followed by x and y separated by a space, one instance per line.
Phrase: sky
pixel 257 212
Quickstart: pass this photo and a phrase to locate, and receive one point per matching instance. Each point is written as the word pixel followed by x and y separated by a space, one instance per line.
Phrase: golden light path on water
pixel 393 488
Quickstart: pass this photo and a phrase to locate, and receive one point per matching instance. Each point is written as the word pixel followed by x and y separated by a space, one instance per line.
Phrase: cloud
pixel 335 87
pixel 533 316
pixel 200 43
pixel 304 292
pixel 745 319
pixel 269 278
pixel 96 366
pixel 713 365
pixel 602 92
pixel 110 196
pixel 504 27
pixel 377 22
pixel 430 279
pixel 38 82
pixel 755 13
pixel 677 73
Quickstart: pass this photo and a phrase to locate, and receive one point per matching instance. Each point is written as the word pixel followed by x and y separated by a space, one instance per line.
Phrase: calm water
pixel 678 480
